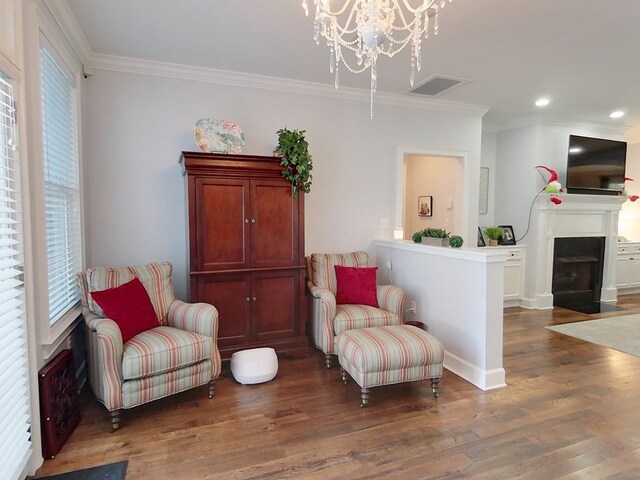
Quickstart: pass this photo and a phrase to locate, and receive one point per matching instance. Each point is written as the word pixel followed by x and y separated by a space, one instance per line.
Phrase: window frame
pixel 51 335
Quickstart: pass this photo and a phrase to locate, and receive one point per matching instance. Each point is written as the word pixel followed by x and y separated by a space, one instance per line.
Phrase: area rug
pixel 620 333
pixel 112 471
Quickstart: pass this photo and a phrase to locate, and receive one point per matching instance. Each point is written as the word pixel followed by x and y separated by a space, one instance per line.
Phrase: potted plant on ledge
pixel 437 237
pixel 493 234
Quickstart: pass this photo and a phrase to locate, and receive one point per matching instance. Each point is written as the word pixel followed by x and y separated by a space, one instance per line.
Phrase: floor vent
pixel 436 85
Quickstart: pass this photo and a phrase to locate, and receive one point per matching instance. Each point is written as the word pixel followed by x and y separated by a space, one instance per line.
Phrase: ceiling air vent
pixel 437 84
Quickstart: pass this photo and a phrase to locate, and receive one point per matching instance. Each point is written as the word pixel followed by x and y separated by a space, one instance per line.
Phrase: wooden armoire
pixel 246 250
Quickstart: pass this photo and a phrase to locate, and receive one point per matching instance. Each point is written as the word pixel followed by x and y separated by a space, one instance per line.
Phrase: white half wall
pixel 136 125
pixel 459 296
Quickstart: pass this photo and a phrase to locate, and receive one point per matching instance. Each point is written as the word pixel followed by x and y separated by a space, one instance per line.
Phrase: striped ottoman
pixel 378 356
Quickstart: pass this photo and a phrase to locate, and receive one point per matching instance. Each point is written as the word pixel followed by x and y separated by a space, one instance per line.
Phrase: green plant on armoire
pixel 296 160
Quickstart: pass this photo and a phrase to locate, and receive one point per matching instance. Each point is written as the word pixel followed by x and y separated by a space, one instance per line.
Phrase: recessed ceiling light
pixel 542 102
pixel 616 114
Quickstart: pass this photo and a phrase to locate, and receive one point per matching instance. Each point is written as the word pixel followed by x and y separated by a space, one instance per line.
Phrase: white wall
pixel 518 151
pixel 440 178
pixel 629 223
pixel 135 127
pixel 488 160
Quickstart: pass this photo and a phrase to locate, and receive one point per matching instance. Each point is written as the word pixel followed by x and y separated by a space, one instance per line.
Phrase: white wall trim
pixel 225 77
pixel 614 130
pixel 63 15
pixel 484 379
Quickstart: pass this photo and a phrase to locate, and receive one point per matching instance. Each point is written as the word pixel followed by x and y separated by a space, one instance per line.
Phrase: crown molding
pixel 64 17
pixel 246 80
pixel 551 121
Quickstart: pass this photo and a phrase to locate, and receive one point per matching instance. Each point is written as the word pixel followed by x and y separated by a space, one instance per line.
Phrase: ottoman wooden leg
pixel 343 375
pixel 364 396
pixel 212 388
pixel 327 360
pixel 435 385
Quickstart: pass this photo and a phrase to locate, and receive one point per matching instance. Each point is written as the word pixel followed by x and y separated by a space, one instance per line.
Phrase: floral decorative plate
pixel 219 136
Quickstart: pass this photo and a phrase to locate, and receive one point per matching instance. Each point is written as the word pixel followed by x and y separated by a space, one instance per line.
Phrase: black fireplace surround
pixel 577 270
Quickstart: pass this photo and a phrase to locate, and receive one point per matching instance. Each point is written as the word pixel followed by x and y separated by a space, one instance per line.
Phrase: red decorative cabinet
pixel 246 250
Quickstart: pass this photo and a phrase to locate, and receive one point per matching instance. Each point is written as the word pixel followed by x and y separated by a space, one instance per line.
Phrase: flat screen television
pixel 596 166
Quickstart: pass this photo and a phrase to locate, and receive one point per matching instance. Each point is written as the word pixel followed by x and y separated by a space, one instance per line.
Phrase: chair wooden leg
pixel 364 396
pixel 115 420
pixel 327 360
pixel 212 388
pixel 435 385
pixel 343 375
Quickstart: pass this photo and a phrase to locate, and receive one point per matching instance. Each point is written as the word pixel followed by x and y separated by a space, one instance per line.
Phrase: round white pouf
pixel 258 365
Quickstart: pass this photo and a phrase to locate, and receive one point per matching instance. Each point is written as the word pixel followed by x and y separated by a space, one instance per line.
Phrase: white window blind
pixel 61 185
pixel 15 437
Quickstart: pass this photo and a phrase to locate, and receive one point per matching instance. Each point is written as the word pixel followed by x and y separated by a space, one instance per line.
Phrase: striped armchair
pixel 329 319
pixel 179 354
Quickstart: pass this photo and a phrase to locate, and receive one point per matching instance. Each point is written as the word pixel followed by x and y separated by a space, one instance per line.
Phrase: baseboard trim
pixel 483 379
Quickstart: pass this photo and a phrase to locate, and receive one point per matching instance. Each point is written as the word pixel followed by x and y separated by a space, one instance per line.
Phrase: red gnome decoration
pixel 633 198
pixel 553 186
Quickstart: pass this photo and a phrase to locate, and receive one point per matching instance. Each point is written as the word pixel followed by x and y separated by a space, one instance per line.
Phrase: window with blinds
pixel 61 184
pixel 15 440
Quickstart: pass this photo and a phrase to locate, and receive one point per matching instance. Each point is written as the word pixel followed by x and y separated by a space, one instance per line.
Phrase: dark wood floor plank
pixel 570 411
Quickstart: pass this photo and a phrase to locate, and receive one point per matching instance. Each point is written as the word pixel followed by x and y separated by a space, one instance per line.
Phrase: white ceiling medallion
pixel 366 29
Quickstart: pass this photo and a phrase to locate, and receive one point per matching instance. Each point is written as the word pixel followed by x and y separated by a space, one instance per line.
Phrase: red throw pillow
pixel 129 306
pixel 356 285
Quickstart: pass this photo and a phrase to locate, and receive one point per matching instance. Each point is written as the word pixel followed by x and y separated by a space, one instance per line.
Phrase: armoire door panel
pixel 231 295
pixel 274 235
pixel 275 312
pixel 223 225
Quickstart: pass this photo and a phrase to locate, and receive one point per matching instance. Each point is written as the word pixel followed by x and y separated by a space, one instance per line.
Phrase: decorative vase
pixel 493 243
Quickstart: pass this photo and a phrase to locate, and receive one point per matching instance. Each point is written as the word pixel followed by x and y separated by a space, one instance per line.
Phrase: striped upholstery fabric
pixel 386 355
pixel 156 278
pixel 349 317
pixel 194 317
pixel 143 390
pixel 391 299
pixel 328 319
pixel 322 266
pixel 179 354
pixel 161 350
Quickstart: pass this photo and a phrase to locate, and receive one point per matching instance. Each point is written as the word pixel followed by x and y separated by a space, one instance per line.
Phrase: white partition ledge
pixel 459 295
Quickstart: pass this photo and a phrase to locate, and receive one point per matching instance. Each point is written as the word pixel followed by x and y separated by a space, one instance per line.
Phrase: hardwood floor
pixel 570 411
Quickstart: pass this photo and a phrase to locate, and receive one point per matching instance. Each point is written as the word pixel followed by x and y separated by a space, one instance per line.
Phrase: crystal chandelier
pixel 371 28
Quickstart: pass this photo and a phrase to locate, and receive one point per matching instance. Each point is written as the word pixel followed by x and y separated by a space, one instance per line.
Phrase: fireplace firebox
pixel 577 270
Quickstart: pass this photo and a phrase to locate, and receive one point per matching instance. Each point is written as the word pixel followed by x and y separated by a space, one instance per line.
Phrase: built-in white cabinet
pixel 514 274
pixel 628 268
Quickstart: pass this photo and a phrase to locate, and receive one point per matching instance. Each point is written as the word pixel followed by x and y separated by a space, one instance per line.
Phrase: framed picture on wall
pixel 483 201
pixel 508 237
pixel 425 206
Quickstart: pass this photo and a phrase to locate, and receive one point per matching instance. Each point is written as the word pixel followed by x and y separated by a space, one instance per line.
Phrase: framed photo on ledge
pixel 481 242
pixel 425 206
pixel 508 237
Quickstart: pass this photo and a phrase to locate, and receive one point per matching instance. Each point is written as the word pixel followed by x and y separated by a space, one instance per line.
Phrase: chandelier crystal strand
pixel 370 28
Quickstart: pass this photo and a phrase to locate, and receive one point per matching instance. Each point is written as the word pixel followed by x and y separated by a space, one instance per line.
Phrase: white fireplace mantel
pixel 576 216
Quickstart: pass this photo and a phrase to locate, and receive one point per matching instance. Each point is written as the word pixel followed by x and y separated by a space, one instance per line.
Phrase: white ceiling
pixel 583 54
